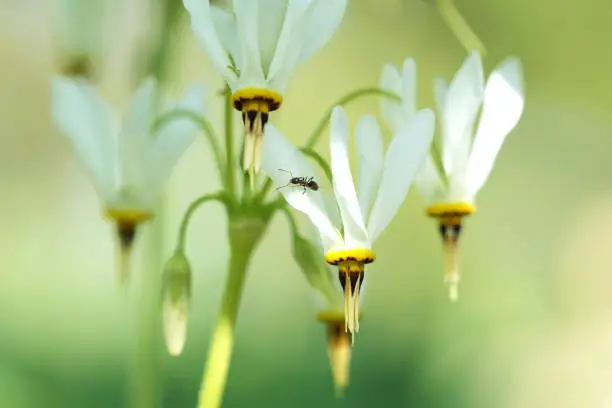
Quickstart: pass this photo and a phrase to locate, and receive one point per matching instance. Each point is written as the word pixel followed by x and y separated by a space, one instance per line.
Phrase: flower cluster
pixel 255 47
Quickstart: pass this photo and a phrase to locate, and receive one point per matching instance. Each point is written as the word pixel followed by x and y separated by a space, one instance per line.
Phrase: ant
pixel 305 182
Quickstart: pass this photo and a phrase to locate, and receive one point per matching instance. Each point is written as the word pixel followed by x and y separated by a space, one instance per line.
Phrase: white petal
pixel 355 234
pixel 251 73
pixel 280 161
pixel 404 158
pixel 227 30
pixel 429 183
pixel 204 29
pixel 87 120
pixel 409 88
pixel 289 45
pixel 135 138
pixel 503 106
pixel 371 156
pixel 271 17
pixel 460 109
pixel 440 92
pixel 175 138
pixel 323 19
pixel 390 80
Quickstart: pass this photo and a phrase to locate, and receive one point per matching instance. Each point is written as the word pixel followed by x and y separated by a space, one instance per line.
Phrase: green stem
pixel 146 391
pixel 316 134
pixel 314 137
pixel 182 236
pixel 244 235
pixel 460 28
pixel 230 179
pixel 320 161
pixel 201 122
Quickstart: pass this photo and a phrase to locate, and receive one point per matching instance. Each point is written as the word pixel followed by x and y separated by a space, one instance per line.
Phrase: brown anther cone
pixel 126 232
pixel 450 229
pixel 339 345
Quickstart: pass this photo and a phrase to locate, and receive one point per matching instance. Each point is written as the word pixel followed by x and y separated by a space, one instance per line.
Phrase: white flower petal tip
pixel 355 233
pixel 502 109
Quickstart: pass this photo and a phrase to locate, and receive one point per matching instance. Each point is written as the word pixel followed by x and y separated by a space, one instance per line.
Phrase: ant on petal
pixel 308 183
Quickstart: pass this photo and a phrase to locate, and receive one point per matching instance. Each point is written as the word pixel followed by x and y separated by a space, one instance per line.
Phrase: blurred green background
pixel 533 327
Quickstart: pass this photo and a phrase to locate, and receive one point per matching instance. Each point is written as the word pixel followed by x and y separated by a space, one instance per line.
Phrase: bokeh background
pixel 533 327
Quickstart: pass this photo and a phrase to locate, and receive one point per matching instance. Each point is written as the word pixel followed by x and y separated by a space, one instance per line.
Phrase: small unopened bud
pixel 339 348
pixel 312 263
pixel 175 303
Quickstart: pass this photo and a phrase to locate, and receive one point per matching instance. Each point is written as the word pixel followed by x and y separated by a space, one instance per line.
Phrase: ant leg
pixel 287 171
pixel 278 188
pixel 304 191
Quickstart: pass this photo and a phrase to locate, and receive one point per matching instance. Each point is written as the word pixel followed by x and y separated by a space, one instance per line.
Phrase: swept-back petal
pixel 135 137
pixel 355 234
pixel 440 92
pixel 280 161
pixel 404 158
pixel 227 30
pixel 271 16
pixel 390 80
pixel 503 106
pixel 429 183
pixel 203 27
pixel 461 106
pixel 409 88
pixel 82 116
pixel 174 139
pixel 251 72
pixel 371 156
pixel 322 21
pixel 289 45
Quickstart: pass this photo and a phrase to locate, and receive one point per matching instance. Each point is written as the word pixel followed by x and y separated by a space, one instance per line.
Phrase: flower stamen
pixel 255 105
pixel 450 216
pixel 351 272
pixel 126 223
pixel 339 343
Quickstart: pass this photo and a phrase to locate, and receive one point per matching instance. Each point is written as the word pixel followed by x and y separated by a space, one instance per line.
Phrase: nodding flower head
pixel 129 161
pixel 449 182
pixel 256 48
pixel 384 181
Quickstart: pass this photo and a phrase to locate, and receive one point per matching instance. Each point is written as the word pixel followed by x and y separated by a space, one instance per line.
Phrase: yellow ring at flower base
pixel 458 209
pixel 362 255
pixel 128 216
pixel 330 316
pixel 271 98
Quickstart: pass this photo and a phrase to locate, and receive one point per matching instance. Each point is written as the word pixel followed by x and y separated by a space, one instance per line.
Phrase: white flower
pixel 384 181
pixel 257 48
pixel 467 157
pixel 128 163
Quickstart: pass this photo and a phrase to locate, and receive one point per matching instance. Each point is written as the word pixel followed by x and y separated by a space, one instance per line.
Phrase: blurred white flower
pixel 80 31
pixel 467 157
pixel 257 48
pixel 384 181
pixel 128 162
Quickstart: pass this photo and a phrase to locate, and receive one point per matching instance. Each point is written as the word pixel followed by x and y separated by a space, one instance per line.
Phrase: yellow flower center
pixel 271 99
pixel 351 272
pixel 362 255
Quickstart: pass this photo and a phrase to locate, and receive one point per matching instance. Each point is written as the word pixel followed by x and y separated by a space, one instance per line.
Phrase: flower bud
pixel 176 294
pixel 312 263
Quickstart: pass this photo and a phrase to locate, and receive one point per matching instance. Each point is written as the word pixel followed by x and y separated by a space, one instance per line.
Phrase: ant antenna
pixel 287 171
